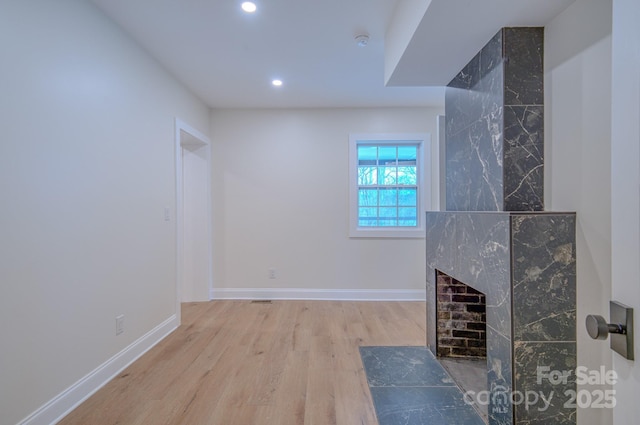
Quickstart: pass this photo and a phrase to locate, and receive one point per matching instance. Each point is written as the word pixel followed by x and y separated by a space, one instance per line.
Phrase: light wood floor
pixel 242 363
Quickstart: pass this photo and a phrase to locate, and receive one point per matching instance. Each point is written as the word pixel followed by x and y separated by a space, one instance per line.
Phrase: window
pixel 388 191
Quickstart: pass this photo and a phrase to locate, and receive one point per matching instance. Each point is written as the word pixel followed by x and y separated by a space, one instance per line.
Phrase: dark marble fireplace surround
pixel 495 235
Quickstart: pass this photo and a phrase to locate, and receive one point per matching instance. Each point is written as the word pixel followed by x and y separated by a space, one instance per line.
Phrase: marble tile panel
pixel 470 373
pixel 544 277
pixel 485 190
pixel 440 247
pixel 458 157
pixel 461 104
pixel 491 57
pixel 491 82
pixel 423 405
pixel 484 252
pixel 523 158
pixel 499 377
pixel 532 361
pixel 403 367
pixel 441 243
pixel 410 387
pixel 523 51
pixel 482 243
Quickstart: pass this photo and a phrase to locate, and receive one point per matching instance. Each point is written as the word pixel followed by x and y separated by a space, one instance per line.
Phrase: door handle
pixel 620 328
pixel 598 328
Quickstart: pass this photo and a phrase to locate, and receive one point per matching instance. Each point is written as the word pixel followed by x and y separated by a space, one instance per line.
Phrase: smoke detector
pixel 362 40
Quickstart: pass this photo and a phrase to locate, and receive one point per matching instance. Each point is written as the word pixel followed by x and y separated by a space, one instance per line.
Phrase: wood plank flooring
pixel 242 363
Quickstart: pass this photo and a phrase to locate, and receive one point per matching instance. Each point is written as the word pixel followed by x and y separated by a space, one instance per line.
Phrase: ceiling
pixel 228 57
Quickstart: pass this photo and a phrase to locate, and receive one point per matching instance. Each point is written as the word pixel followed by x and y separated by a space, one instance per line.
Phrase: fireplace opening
pixel 462 319
pixel 461 337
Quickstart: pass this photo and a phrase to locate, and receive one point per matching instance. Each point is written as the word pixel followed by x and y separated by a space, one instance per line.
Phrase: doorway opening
pixel 193 214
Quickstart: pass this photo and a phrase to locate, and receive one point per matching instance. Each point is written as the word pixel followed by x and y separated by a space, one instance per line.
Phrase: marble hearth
pixel 524 262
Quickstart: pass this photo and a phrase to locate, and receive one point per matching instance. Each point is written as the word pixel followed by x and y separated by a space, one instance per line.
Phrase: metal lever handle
pixel 621 328
pixel 598 328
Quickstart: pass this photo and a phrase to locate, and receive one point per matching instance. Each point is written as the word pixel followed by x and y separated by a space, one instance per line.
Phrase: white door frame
pixel 625 194
pixel 188 136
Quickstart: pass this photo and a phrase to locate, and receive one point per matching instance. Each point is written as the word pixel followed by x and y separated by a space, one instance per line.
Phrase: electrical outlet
pixel 119 324
pixel 272 273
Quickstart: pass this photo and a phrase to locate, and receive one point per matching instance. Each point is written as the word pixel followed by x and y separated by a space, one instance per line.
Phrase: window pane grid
pixel 387 185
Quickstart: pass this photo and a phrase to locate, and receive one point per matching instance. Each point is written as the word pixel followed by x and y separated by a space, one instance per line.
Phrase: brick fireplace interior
pixel 462 319
pixel 461 342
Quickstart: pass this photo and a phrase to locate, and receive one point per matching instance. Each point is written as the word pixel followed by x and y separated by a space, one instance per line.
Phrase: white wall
pixel 625 193
pixel 578 152
pixel 280 187
pixel 86 170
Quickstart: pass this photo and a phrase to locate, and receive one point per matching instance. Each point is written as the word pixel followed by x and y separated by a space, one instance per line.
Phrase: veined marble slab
pixel 410 387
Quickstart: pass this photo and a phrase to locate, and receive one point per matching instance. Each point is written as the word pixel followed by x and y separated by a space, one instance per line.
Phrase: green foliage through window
pixel 387 185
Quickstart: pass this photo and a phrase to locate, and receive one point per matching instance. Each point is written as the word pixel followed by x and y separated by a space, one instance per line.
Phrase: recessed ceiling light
pixel 276 82
pixel 249 6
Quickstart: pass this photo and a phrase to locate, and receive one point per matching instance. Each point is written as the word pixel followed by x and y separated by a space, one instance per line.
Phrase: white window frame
pixel 423 160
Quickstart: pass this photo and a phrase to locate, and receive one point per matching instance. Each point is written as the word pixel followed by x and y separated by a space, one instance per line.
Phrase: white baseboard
pixel 61 405
pixel 319 294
